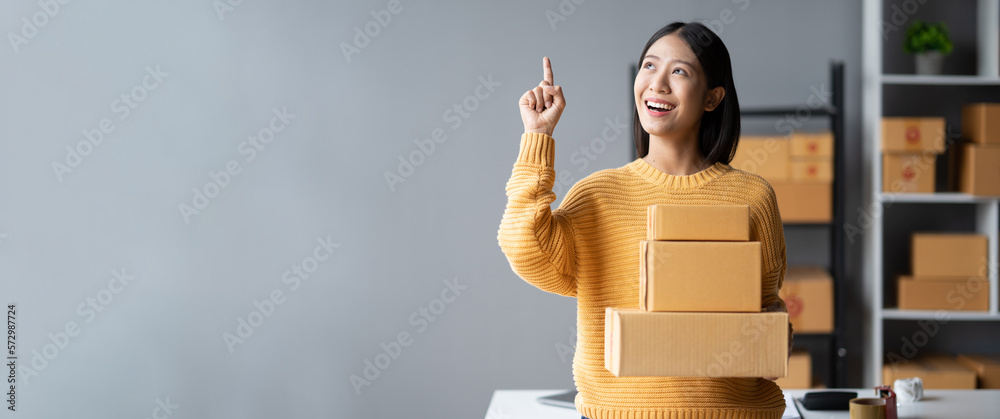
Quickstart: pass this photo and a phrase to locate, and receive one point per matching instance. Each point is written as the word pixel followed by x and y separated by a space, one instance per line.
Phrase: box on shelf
pixel 698 222
pixel 949 255
pixel 641 343
pixel 799 371
pixel 765 156
pixel 808 294
pixel 905 173
pixel 979 170
pixel 942 293
pixel 981 122
pixel 938 372
pixel 987 368
pixel 912 135
pixel 812 144
pixel 811 170
pixel 804 202
pixel 699 276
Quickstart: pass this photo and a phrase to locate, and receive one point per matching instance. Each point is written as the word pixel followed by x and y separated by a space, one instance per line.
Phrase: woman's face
pixel 671 91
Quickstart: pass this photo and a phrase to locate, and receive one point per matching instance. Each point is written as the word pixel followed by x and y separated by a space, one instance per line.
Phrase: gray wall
pixel 162 335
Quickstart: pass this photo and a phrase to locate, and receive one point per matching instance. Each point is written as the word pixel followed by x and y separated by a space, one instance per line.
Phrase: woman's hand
pixel 542 106
pixel 779 307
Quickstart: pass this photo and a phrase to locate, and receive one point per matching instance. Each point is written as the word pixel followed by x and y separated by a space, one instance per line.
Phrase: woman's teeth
pixel 660 106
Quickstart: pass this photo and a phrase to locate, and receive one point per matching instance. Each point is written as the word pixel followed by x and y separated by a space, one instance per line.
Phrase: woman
pixel 686 128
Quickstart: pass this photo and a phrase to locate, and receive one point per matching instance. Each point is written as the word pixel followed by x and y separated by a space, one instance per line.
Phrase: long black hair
pixel 720 129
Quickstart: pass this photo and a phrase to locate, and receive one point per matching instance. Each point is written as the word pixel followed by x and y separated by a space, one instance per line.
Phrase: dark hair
pixel 720 129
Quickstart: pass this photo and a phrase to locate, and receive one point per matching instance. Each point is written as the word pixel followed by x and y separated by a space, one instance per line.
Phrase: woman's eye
pixel 680 71
pixel 647 65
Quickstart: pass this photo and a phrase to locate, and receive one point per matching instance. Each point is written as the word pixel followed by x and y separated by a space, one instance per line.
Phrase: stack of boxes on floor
pixel 699 301
pixel 948 273
pixel 799 168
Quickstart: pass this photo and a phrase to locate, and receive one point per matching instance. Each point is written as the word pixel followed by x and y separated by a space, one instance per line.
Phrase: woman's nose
pixel 659 84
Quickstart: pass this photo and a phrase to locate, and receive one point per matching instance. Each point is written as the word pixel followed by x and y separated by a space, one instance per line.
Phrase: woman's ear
pixel 714 98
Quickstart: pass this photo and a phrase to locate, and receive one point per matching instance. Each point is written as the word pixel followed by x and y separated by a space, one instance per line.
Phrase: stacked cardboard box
pixel 799 168
pixel 909 149
pixel 987 368
pixel 799 371
pixel 699 299
pixel 808 293
pixel 980 154
pixel 938 372
pixel 949 273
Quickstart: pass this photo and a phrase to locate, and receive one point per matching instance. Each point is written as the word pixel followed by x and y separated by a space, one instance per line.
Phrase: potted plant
pixel 929 43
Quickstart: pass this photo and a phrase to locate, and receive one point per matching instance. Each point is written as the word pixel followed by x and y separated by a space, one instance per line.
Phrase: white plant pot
pixel 929 63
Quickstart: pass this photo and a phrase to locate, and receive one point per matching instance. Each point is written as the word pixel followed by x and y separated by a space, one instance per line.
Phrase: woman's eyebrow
pixel 673 61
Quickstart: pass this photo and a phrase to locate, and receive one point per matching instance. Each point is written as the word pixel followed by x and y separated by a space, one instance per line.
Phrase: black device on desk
pixel 828 400
pixel 567 399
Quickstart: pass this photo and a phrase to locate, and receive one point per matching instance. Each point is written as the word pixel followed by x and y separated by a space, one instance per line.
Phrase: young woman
pixel 687 125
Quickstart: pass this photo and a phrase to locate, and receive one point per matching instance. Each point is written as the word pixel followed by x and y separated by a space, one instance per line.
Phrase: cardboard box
pixel 987 368
pixel 765 156
pixel 698 222
pixel 938 372
pixel 912 135
pixel 981 122
pixel 808 294
pixel 799 371
pixel 644 344
pixel 699 276
pixel 811 170
pixel 804 202
pixel 812 144
pixel 937 293
pixel 903 173
pixel 979 172
pixel 949 254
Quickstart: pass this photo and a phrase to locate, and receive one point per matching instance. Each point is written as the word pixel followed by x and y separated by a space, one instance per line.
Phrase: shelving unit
pixel 833 344
pixel 986 209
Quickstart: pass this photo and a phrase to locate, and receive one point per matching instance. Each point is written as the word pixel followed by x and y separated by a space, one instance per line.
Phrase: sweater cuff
pixel 537 148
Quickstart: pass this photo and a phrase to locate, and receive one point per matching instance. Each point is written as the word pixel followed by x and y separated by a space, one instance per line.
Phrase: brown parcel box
pixel 699 276
pixel 812 144
pixel 907 173
pixel 981 122
pixel 811 170
pixel 949 255
pixel 804 202
pixel 808 294
pixel 799 371
pixel 912 135
pixel 698 222
pixel 979 173
pixel 938 372
pixel 987 369
pixel 942 293
pixel 644 344
pixel 765 156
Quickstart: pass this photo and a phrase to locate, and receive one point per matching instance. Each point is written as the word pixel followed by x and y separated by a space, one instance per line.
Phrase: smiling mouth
pixel 659 108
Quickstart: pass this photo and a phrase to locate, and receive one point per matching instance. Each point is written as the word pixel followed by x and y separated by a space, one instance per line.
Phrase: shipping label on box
pixel 808 294
pixel 938 372
pixel 981 122
pixel 913 135
pixel 698 222
pixel 799 371
pixel 647 344
pixel 766 156
pixel 811 170
pixel 812 144
pixel 979 173
pixel 987 368
pixel 902 173
pixel 699 276
pixel 804 202
pixel 949 255
pixel 942 293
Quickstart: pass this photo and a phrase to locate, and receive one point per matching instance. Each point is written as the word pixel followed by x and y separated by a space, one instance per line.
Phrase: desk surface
pixel 937 404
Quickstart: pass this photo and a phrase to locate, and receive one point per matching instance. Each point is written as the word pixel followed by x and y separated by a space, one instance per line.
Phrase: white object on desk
pixel 937 404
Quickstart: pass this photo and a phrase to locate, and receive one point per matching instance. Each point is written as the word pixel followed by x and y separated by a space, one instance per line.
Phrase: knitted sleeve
pixel 771 233
pixel 537 241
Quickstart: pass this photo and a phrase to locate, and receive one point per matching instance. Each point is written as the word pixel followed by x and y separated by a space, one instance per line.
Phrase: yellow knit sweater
pixel 589 248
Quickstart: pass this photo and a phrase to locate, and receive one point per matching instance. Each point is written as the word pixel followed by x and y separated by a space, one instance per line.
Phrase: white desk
pixel 937 404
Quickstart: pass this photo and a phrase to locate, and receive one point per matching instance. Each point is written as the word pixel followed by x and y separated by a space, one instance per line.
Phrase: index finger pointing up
pixel 547 74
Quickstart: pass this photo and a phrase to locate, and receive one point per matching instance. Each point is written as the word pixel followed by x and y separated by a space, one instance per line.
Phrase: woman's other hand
pixel 542 106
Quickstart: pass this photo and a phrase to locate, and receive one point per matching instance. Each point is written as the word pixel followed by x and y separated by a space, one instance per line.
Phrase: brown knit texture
pixel 588 248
